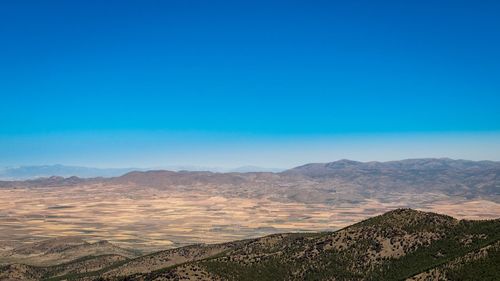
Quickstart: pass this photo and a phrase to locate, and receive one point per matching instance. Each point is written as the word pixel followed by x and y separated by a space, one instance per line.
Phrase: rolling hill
pixel 402 244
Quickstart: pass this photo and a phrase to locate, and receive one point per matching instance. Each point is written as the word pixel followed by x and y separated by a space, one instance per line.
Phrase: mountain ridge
pixel 339 181
pixel 410 163
pixel 33 172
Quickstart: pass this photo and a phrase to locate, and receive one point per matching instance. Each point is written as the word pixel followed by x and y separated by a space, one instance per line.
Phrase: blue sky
pixel 227 83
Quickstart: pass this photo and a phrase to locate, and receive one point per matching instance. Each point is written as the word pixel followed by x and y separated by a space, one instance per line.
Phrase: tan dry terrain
pixel 151 218
pixel 397 245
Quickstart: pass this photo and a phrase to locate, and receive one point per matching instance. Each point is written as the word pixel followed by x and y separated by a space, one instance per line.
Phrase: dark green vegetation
pixel 394 246
pixel 75 268
pixel 400 245
pixel 486 268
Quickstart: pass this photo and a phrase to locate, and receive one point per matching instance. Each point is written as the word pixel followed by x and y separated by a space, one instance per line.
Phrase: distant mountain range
pixel 423 164
pixel 45 171
pixel 336 182
pixel 311 170
pixel 33 172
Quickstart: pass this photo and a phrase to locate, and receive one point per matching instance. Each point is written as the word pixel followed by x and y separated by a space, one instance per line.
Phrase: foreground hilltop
pixel 398 245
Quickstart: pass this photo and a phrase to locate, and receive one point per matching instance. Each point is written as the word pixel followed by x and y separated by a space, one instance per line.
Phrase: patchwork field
pixel 151 219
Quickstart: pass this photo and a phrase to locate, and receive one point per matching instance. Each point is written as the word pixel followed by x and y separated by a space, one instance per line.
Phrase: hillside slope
pixel 398 245
pixel 60 250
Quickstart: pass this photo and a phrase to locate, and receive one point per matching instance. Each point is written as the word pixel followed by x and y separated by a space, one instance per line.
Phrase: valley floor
pixel 152 219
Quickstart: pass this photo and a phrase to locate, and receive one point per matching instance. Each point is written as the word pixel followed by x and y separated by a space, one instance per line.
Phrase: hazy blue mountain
pixel 251 169
pixel 33 172
pixel 45 171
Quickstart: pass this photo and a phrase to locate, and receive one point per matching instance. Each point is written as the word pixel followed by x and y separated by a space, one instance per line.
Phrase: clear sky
pixel 228 83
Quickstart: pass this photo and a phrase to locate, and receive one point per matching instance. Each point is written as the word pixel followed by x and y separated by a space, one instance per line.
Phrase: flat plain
pixel 151 219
